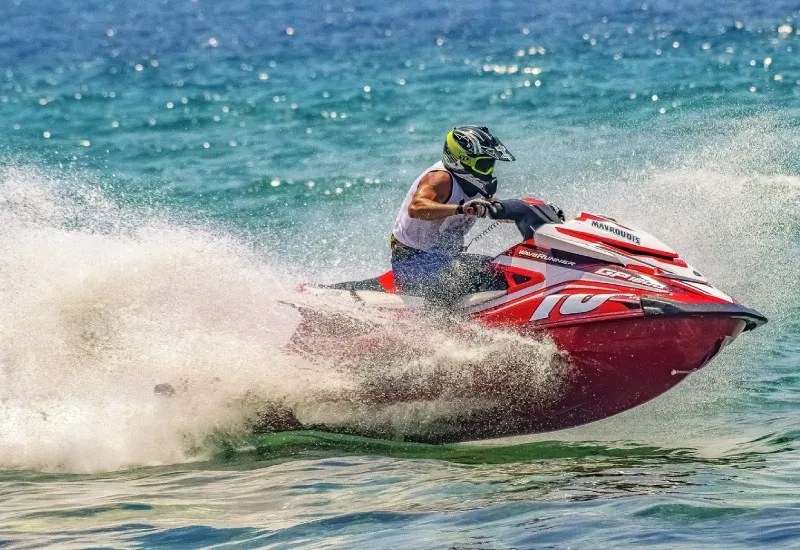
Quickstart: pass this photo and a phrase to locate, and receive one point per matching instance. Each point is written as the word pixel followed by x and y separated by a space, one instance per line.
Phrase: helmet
pixel 470 153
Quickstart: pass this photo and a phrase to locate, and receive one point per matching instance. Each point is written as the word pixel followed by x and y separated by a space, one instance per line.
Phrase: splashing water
pixel 431 380
pixel 98 307
pixel 101 304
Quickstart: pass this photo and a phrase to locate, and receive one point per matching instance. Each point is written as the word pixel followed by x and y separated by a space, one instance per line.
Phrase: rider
pixel 442 206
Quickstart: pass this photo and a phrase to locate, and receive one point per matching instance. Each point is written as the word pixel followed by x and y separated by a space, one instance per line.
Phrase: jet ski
pixel 631 317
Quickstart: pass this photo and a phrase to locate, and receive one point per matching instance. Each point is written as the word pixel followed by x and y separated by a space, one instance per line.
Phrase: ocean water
pixel 169 172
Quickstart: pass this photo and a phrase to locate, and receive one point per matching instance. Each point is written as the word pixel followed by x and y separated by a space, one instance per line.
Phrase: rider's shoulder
pixel 437 177
pixel 437 185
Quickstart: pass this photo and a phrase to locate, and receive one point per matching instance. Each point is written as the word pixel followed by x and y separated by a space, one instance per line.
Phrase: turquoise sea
pixel 170 170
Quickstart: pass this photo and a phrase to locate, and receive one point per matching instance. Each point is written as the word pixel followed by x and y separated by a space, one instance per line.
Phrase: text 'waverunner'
pixel 633 318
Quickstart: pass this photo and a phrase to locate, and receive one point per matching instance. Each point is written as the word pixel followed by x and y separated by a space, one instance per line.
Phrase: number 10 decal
pixel 575 303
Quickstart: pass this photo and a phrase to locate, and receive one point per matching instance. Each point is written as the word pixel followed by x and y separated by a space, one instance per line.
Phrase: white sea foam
pixel 99 304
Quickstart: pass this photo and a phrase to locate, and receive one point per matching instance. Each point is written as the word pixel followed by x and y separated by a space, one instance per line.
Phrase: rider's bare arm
pixel 429 200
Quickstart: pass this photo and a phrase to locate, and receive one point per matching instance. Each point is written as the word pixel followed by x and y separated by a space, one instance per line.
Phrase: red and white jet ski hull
pixel 631 316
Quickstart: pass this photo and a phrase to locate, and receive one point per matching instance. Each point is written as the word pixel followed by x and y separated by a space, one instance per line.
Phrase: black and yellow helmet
pixel 470 153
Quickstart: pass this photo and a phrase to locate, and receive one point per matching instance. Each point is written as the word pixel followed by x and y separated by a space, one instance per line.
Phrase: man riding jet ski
pixel 629 316
pixel 440 208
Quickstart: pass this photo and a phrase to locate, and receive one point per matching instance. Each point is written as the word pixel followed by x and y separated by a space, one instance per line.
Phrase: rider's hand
pixel 477 207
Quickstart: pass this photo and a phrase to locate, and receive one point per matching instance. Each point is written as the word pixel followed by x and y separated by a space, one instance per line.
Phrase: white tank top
pixel 445 235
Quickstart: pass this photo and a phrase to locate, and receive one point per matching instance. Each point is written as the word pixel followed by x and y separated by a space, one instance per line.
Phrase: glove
pixel 480 208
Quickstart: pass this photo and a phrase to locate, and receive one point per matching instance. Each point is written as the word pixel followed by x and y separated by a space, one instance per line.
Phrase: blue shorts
pixel 414 272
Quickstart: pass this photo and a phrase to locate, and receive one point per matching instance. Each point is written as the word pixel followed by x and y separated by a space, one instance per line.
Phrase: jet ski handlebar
pixel 528 214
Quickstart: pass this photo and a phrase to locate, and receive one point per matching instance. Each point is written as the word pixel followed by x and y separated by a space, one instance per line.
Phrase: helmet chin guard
pixel 473 185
